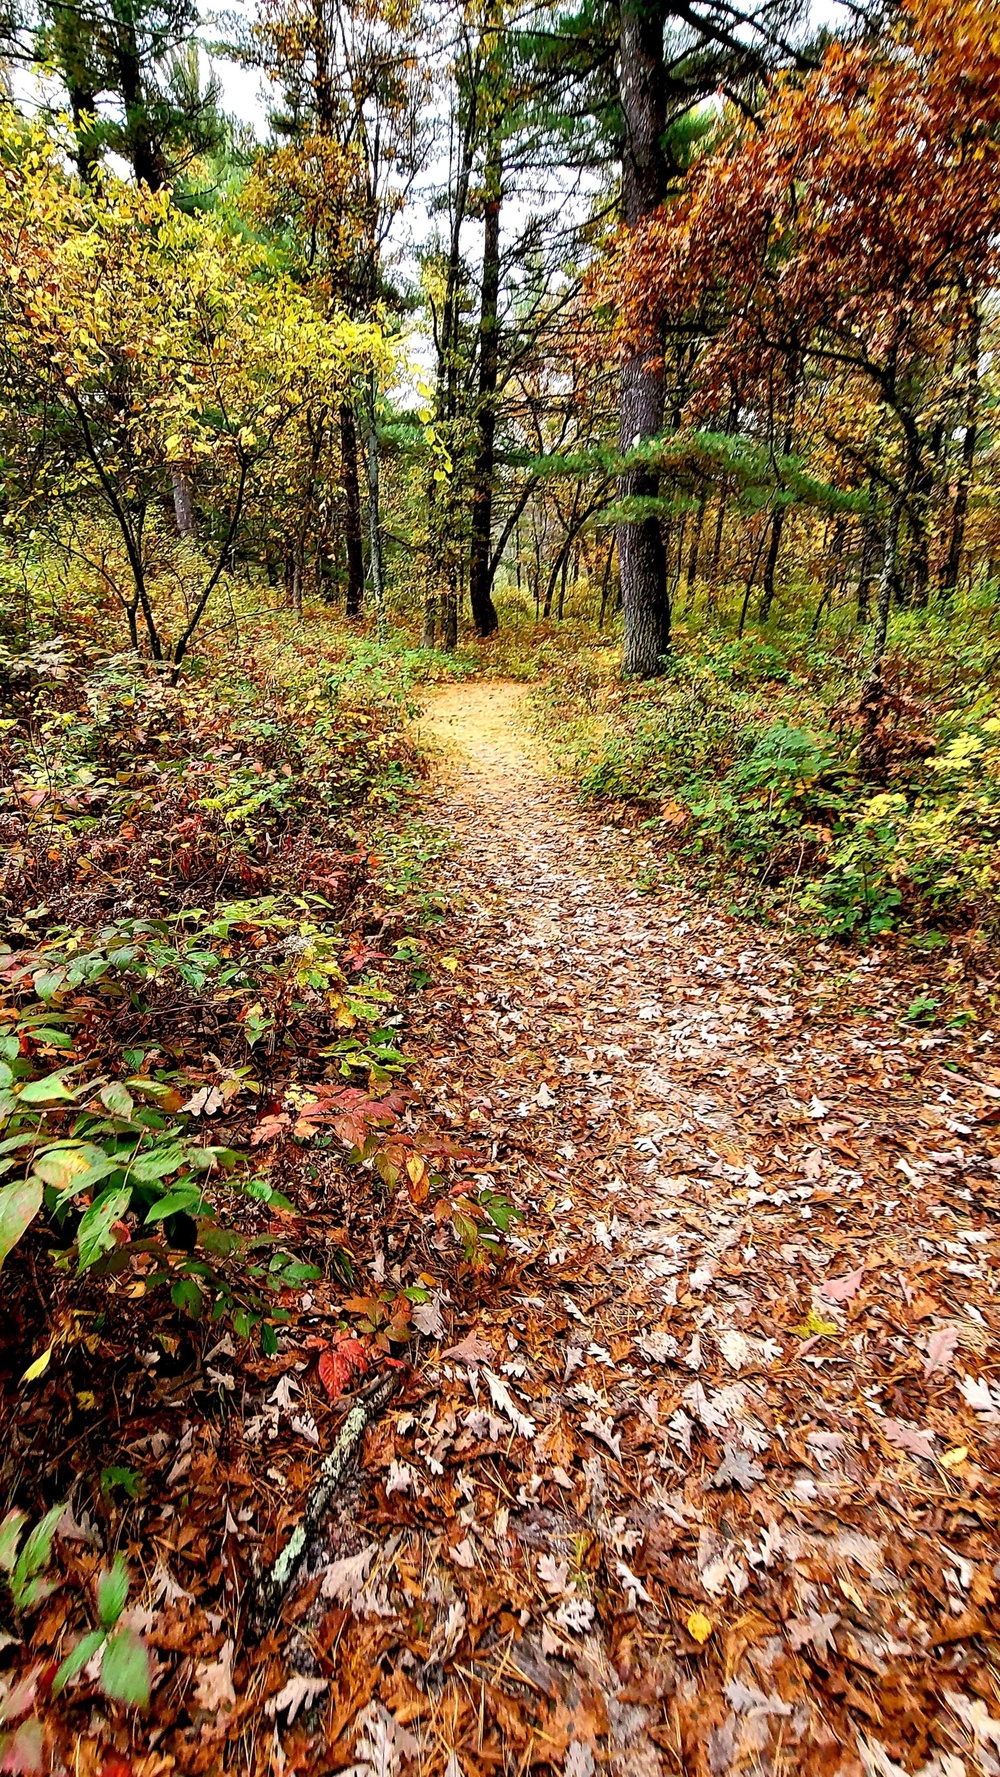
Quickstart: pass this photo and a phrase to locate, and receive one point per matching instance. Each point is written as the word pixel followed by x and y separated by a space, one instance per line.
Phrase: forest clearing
pixel 499 902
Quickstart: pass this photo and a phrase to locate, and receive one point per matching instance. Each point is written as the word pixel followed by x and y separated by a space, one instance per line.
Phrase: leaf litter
pixel 702 1476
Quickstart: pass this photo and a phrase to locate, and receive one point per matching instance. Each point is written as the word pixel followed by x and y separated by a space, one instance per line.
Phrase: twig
pixel 270 1588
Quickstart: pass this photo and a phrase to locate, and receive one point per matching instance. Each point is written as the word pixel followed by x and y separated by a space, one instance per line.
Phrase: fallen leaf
pixel 300 1692
pixel 699 1627
pixel 954 1458
pixel 575 1615
pixel 554 1575
pixel 205 1102
pixel 214 1688
pixel 472 1351
pixel 980 1396
pixel 977 1718
pixel 814 1631
pixel 22 1753
pixel 632 1584
pixel 501 1397
pixel 841 1289
pixel 748 1700
pixel 909 1438
pixel 579 1760
pixel 940 1350
pixel 344 1579
pixel 269 1128
pixel 338 1365
pixel 604 1430
pixel 737 1470
pixel 426 1317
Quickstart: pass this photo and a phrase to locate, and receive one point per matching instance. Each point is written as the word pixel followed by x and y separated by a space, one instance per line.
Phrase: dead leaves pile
pixel 706 1482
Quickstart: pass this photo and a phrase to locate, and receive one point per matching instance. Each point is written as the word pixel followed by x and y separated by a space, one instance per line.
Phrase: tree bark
pixel 777 526
pixel 142 150
pixel 352 509
pixel 449 621
pixel 960 506
pixel 871 752
pixel 374 515
pixel 641 555
pixel 429 637
pixel 751 577
pixel 865 567
pixel 183 500
pixel 483 610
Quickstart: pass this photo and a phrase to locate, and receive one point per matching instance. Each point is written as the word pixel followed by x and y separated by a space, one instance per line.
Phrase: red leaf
pixel 269 1128
pixel 116 1766
pixel 346 1359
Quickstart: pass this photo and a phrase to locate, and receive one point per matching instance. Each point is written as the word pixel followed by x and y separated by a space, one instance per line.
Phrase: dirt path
pixel 711 1496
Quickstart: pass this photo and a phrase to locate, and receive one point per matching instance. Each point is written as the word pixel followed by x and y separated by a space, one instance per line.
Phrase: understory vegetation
pixel 744 758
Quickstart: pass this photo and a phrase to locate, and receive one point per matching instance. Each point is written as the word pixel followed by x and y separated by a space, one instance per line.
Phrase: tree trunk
pixel 713 572
pixel 865 574
pixel 429 637
pixel 449 621
pixel 83 105
pixel 561 606
pixel 352 509
pixel 551 587
pixel 142 149
pixel 374 515
pixel 483 610
pixel 751 577
pixel 871 751
pixel 918 565
pixel 641 556
pixel 183 500
pixel 960 506
pixel 777 526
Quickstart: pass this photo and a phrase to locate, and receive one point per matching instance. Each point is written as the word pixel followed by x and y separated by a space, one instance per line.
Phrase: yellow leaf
pixel 449 962
pixel 60 1166
pixel 953 1458
pixel 699 1627
pixel 39 1367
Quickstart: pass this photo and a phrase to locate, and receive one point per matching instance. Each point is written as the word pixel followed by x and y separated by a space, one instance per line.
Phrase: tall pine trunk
pixel 375 567
pixel 641 555
pixel 484 614
pixel 352 509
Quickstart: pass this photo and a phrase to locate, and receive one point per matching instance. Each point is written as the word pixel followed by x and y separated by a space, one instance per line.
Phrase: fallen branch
pixel 270 1588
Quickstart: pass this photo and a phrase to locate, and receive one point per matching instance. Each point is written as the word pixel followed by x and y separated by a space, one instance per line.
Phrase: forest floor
pixel 709 1482
pixel 701 1477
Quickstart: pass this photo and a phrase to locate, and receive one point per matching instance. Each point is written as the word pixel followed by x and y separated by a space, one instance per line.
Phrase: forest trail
pixel 714 1485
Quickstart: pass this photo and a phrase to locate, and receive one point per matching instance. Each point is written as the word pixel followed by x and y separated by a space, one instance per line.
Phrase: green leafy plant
pixel 25 1564
pixel 124 1666
pixel 124 1661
